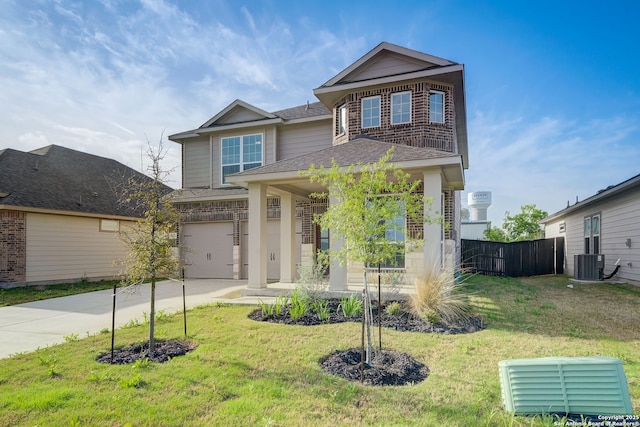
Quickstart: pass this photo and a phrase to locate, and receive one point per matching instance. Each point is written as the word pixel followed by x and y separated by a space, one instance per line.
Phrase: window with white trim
pixel 342 119
pixel 371 112
pixel 592 234
pixel 400 108
pixel 240 153
pixel 110 225
pixel 436 107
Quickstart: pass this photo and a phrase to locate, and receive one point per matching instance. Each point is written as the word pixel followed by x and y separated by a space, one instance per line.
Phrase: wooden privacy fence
pixel 516 259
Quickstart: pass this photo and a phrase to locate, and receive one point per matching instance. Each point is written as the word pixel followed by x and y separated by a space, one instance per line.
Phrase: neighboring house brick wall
pixel 13 246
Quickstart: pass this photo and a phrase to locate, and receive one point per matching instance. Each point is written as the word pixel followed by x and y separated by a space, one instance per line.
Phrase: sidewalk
pixel 27 327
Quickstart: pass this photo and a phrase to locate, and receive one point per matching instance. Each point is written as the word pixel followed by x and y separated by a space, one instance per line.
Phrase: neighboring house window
pixel 436 107
pixel 400 108
pixel 371 112
pixel 592 234
pixel 562 227
pixel 342 120
pixel 240 153
pixel 109 225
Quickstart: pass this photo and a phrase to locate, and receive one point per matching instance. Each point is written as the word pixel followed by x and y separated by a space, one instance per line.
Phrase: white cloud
pixel 547 161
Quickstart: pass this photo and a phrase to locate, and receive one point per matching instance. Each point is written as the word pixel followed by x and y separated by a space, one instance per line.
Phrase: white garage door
pixel 273 248
pixel 208 250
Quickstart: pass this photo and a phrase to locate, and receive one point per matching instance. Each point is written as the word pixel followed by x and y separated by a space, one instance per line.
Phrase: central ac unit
pixel 588 266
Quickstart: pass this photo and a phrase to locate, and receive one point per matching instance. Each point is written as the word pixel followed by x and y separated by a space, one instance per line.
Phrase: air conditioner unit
pixel 593 385
pixel 588 266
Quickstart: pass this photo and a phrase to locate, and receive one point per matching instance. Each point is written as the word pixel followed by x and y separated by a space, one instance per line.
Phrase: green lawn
pixel 246 373
pixel 20 295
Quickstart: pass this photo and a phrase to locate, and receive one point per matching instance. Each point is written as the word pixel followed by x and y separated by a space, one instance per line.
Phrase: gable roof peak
pixel 236 105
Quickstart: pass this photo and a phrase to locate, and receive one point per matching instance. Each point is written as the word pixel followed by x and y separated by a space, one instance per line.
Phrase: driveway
pixel 27 327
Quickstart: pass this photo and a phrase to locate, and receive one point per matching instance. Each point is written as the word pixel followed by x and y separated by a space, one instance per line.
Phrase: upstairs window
pixel 436 107
pixel 371 112
pixel 240 153
pixel 592 234
pixel 400 108
pixel 342 120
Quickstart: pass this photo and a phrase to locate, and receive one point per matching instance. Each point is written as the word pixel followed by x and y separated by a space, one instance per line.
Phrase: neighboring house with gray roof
pixel 246 211
pixel 606 223
pixel 60 211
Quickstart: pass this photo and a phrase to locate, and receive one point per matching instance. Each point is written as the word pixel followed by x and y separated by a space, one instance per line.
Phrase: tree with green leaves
pixel 521 226
pixel 150 249
pixel 365 201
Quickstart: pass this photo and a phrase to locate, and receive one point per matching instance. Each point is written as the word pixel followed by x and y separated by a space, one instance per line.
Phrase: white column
pixel 257 250
pixel 287 238
pixel 337 271
pixel 433 232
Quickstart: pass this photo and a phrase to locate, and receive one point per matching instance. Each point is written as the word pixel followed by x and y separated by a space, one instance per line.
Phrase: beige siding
pixel 295 140
pixel 197 164
pixel 64 247
pixel 619 221
pixel 388 64
pixel 239 115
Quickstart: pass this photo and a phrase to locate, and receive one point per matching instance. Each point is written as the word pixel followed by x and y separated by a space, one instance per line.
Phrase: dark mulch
pixel 164 351
pixel 387 367
pixel 402 322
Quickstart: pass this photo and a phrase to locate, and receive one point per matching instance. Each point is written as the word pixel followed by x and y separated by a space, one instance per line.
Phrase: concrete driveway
pixel 27 327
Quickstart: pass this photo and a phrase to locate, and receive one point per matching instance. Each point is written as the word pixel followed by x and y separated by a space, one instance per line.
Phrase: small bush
pixel 436 298
pixel 299 304
pixel 321 308
pixel 351 306
pixel 394 309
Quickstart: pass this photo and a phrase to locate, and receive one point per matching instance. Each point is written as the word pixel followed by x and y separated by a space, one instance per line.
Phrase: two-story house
pixel 246 210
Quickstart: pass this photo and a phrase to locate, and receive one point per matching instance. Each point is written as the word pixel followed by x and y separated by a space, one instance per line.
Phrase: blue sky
pixel 553 94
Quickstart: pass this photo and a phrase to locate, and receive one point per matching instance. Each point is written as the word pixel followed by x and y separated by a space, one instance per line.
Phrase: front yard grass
pixel 258 373
pixel 23 294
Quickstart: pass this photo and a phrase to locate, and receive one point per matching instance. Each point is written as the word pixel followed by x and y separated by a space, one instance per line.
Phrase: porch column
pixel 337 272
pixel 433 232
pixel 287 238
pixel 257 250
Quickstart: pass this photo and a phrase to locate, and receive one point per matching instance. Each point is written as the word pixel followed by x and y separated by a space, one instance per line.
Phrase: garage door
pixel 208 250
pixel 273 248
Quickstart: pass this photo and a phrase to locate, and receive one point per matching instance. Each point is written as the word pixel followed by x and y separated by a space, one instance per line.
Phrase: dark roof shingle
pixel 359 150
pixel 59 178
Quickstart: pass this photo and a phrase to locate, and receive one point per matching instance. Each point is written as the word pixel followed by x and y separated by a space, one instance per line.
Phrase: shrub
pixel 351 306
pixel 311 278
pixel 299 304
pixel 394 309
pixel 437 298
pixel 321 308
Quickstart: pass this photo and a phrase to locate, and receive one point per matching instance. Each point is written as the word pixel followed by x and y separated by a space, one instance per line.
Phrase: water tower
pixel 478 202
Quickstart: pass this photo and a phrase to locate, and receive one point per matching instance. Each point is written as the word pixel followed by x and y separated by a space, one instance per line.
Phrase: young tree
pixel 365 201
pixel 150 254
pixel 521 226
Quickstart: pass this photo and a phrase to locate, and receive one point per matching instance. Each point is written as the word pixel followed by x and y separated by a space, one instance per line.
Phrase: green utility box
pixel 565 385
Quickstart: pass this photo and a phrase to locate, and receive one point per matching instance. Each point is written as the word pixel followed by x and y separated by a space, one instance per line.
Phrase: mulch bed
pixel 164 351
pixel 387 368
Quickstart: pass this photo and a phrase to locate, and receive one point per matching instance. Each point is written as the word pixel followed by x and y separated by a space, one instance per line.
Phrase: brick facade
pixel 420 132
pixel 13 246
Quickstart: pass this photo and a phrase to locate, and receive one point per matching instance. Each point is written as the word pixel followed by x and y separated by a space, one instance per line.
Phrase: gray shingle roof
pixel 60 178
pixel 312 109
pixel 359 150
